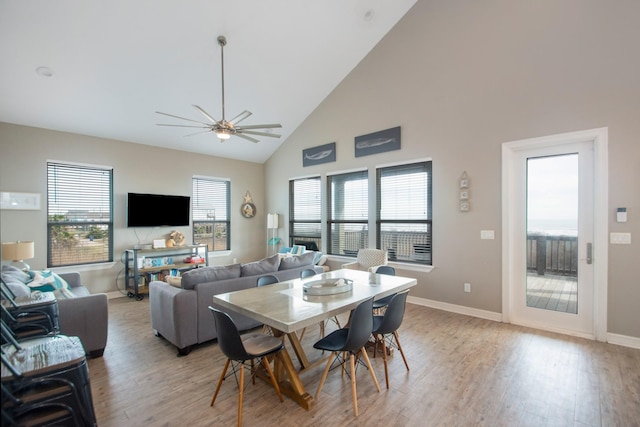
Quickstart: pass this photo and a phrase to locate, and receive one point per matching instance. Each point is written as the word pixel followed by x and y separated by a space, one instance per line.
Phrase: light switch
pixel 487 234
pixel 620 238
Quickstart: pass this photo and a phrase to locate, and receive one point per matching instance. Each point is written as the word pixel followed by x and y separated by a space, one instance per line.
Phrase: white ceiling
pixel 116 62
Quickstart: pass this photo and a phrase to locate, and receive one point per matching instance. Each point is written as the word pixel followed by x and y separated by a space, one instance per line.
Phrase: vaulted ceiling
pixel 103 68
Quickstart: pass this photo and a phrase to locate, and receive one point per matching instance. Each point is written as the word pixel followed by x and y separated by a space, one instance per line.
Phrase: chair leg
pixel 352 367
pixel 395 334
pixel 324 376
pixel 267 367
pixel 384 358
pixel 240 396
pixel 373 374
pixel 224 372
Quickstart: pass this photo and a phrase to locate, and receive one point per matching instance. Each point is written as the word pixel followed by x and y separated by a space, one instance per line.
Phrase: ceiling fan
pixel 224 128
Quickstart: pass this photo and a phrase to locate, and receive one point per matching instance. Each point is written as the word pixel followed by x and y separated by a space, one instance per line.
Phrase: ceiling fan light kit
pixel 224 128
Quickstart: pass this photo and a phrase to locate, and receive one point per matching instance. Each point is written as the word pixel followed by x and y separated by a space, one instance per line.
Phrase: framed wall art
pixel 317 155
pixel 378 142
pixel 20 201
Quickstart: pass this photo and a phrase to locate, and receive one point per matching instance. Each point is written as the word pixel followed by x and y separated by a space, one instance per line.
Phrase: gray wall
pixel 463 77
pixel 24 152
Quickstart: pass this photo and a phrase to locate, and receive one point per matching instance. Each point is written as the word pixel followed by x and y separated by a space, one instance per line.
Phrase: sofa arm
pixel 352 265
pixel 72 278
pixel 86 317
pixel 174 314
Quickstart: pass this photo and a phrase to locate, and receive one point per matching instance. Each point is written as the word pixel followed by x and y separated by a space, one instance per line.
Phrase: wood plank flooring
pixel 465 371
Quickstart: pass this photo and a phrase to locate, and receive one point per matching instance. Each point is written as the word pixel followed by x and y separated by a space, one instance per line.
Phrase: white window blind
pixel 305 211
pixel 210 211
pixel 348 212
pixel 404 212
pixel 79 214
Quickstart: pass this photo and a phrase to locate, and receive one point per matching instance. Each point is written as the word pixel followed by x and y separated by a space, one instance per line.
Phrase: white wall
pixel 463 77
pixel 24 152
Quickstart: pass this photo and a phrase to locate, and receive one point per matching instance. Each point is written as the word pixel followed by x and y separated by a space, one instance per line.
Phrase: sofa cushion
pixel 209 274
pixel 297 261
pixel 19 289
pixel 264 266
pixel 11 272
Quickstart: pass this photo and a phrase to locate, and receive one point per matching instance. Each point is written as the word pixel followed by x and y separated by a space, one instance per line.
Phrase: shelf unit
pixel 144 265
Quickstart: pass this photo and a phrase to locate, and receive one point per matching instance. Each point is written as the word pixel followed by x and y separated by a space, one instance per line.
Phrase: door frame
pixel 599 138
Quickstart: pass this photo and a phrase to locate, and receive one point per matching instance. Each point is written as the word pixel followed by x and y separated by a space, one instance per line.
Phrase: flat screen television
pixel 157 210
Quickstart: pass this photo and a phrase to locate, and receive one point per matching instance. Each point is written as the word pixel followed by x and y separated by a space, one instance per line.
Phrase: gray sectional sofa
pixel 181 314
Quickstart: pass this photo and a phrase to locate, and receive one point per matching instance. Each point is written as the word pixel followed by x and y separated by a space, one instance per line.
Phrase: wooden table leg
pixel 289 381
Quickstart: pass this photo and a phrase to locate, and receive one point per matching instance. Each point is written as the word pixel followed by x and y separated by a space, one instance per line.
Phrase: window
pixel 348 215
pixel 79 214
pixel 404 209
pixel 305 211
pixel 211 215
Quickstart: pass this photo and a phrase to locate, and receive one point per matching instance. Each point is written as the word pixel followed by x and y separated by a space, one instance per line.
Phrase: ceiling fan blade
pixel 253 132
pixel 207 115
pixel 181 118
pixel 246 137
pixel 198 133
pixel 185 126
pixel 271 126
pixel 240 117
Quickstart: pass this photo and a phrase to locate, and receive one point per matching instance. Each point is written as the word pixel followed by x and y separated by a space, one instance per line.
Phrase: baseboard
pixel 460 309
pixel 622 340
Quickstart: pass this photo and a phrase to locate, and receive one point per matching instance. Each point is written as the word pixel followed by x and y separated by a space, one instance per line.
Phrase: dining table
pixel 288 307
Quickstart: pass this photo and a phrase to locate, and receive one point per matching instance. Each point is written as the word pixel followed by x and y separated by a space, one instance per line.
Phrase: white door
pixel 550 234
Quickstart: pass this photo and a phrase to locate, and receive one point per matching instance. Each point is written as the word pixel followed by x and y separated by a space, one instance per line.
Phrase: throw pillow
pixel 46 281
pixel 297 261
pixel 297 250
pixel 17 288
pixel 264 266
pixel 11 272
pixel 209 274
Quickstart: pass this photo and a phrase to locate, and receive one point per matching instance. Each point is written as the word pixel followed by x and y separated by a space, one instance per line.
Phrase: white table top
pixel 284 306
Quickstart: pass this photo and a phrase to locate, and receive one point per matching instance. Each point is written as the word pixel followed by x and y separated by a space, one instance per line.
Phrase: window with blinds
pixel 211 214
pixel 79 214
pixel 348 213
pixel 404 212
pixel 305 211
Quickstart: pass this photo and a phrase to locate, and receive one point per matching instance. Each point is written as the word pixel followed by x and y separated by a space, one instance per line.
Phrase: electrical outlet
pixel 467 287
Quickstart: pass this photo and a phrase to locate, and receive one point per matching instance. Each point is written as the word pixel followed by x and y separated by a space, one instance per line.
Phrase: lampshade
pixel 272 220
pixel 17 251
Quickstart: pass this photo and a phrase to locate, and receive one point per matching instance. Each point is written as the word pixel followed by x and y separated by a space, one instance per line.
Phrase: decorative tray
pixel 327 286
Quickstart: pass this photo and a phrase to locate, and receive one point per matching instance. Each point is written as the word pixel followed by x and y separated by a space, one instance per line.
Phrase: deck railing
pixel 552 254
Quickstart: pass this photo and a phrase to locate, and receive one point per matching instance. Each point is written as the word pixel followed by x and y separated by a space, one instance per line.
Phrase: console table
pixel 144 265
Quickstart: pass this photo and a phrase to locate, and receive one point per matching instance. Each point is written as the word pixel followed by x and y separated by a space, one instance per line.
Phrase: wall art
pixel 321 154
pixel 378 142
pixel 20 201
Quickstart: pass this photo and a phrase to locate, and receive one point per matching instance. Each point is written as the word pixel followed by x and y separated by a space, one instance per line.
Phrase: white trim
pixel 305 177
pixel 453 308
pixel 211 178
pixel 624 340
pixel 90 165
pixel 404 162
pixel 599 137
pixel 346 171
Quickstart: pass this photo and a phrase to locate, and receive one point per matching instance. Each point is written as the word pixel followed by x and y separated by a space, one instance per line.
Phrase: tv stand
pixel 142 266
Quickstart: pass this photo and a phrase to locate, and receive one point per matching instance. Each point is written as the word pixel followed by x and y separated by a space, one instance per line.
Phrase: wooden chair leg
pixel 384 358
pixel 352 366
pixel 267 367
pixel 240 396
pixel 395 334
pixel 373 374
pixel 324 376
pixel 224 372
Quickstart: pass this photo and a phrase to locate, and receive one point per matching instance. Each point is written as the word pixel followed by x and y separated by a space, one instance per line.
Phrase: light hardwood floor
pixel 464 372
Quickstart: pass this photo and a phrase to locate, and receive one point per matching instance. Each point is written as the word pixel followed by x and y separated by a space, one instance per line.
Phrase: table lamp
pixel 18 252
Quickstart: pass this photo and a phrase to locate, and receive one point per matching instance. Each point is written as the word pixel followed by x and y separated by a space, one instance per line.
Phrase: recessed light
pixel 44 71
pixel 368 15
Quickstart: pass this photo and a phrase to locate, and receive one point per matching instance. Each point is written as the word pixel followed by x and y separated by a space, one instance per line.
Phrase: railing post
pixel 541 254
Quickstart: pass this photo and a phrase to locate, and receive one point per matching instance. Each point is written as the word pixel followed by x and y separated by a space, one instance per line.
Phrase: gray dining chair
pixel 378 305
pixel 385 329
pixel 267 279
pixel 241 351
pixel 350 341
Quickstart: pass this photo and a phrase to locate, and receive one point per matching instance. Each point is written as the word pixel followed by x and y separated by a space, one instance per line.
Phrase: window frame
pixel 421 251
pixel 82 183
pixel 195 197
pixel 363 238
pixel 294 221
